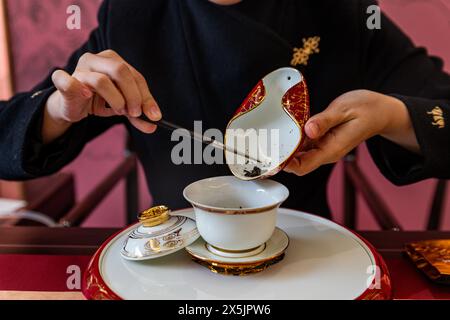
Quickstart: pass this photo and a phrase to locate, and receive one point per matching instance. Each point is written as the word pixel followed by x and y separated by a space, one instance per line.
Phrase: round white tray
pixel 324 261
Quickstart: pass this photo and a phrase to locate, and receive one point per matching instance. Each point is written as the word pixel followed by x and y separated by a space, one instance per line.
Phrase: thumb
pixel 70 87
pixel 323 122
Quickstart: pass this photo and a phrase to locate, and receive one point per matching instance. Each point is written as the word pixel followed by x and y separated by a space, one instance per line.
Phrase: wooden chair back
pixel 355 182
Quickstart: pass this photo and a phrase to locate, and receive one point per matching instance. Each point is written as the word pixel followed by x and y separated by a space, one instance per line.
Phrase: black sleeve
pixel 23 155
pixel 392 65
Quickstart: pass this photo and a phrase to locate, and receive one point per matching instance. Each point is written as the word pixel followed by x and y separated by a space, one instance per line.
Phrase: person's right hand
pixel 103 85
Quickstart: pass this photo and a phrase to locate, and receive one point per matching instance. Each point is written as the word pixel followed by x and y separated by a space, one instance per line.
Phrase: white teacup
pixel 234 215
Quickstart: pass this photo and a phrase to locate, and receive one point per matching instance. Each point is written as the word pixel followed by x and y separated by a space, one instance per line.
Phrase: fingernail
pixel 314 129
pixel 123 112
pixel 154 111
pixel 135 113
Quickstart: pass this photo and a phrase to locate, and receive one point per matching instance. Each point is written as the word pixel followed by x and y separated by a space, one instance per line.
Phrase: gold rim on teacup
pixel 234 211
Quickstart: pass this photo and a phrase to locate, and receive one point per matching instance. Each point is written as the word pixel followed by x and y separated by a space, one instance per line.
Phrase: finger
pixel 293 166
pixel 119 72
pixel 110 54
pixel 149 105
pixel 70 87
pixel 330 149
pixel 100 109
pixel 104 87
pixel 142 125
pixel 308 144
pixel 322 122
pixel 140 82
pixel 310 161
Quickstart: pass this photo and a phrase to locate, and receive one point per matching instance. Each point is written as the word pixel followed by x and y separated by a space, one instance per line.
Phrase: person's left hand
pixel 350 120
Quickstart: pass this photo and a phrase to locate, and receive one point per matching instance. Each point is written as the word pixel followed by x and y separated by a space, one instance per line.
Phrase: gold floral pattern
pixel 238 270
pixel 438 117
pixel 96 288
pixel 301 55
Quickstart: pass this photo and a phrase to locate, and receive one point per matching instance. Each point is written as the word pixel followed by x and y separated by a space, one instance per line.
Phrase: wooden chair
pixel 356 182
pixel 437 208
pixel 127 170
pixel 54 197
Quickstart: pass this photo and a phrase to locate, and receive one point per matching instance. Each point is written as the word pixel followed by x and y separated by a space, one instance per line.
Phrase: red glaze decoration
pixel 254 99
pixel 93 285
pixel 381 286
pixel 296 103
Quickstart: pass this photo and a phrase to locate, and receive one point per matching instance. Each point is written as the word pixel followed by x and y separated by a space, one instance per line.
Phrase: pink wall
pixel 5 72
pixel 36 49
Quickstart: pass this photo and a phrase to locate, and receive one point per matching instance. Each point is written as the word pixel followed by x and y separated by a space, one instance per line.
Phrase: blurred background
pixel 39 40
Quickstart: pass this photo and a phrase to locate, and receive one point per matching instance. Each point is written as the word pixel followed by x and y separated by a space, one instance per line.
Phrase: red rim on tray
pixel 110 277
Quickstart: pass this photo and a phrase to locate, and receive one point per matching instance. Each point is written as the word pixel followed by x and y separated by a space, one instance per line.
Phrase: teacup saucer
pixel 235 254
pixel 273 252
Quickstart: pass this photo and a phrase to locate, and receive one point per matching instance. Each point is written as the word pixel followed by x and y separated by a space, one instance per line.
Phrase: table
pixel 40 263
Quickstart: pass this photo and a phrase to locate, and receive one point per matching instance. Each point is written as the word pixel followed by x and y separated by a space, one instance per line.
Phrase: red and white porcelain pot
pixel 272 118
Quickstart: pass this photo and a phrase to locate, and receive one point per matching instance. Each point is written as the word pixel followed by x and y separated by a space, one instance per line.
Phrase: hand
pixel 350 120
pixel 99 80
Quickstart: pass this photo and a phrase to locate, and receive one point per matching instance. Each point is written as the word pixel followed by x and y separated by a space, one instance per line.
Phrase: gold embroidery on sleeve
pixel 438 117
pixel 301 55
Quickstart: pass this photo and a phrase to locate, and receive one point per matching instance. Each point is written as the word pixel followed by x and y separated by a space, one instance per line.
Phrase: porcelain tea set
pixel 234 228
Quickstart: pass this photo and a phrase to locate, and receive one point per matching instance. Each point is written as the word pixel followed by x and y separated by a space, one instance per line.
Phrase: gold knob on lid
pixel 154 216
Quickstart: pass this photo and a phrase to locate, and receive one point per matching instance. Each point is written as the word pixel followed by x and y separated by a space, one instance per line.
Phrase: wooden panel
pixel 12 190
pixel 37 295
pixel 53 241
pixel 6 83
pixel 85 241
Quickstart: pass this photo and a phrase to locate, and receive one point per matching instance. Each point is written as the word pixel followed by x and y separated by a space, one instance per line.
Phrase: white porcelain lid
pixel 150 242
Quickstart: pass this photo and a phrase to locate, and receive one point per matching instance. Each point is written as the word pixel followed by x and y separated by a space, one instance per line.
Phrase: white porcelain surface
pixel 145 243
pixel 236 231
pixel 269 115
pixel 324 261
pixel 274 247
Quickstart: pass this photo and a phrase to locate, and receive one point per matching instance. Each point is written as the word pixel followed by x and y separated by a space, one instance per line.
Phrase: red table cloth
pixel 51 273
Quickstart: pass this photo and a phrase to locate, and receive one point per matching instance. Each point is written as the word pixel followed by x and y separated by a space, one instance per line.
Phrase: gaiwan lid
pixel 158 234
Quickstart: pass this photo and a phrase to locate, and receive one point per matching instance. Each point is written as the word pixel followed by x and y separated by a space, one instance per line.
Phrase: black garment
pixel 201 59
